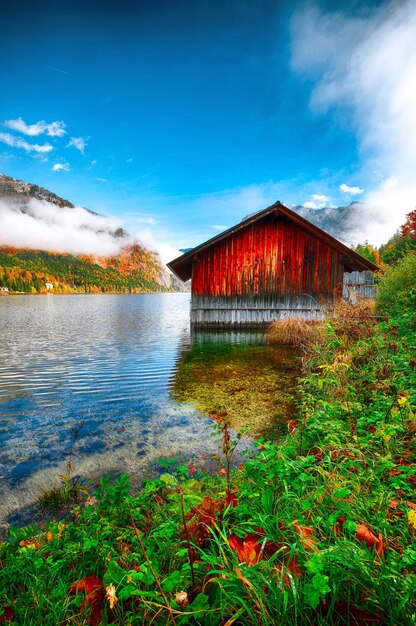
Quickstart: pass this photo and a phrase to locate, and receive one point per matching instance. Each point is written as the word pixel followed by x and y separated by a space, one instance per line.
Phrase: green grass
pixel 316 529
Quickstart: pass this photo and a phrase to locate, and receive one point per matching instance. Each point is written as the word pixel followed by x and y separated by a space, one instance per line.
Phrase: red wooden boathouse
pixel 272 264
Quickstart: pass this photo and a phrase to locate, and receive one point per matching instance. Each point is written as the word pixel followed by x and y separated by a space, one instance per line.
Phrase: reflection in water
pixel 236 376
pixel 111 362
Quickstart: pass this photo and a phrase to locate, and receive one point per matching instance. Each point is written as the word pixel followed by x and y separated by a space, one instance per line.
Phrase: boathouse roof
pixel 352 261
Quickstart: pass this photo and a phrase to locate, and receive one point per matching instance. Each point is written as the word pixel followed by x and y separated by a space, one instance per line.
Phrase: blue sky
pixel 179 118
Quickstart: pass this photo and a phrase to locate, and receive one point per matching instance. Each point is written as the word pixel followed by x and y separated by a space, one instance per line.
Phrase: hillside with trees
pixel 133 270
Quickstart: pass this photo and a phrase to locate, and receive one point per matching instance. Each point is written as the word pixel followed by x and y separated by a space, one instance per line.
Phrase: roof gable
pixel 182 265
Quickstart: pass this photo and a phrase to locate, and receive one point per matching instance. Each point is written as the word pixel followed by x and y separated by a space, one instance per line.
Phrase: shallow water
pixel 119 364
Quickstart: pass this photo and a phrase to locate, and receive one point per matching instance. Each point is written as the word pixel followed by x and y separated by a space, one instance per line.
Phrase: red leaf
pixel 192 469
pixel 231 499
pixel 94 595
pixel 87 584
pixel 292 564
pixel 363 533
pixel 205 515
pixel 337 529
pixel 307 536
pixel 292 426
pixel 8 614
pixel 269 547
pixel 248 549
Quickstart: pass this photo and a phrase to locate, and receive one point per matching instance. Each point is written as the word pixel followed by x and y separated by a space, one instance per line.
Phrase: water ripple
pixel 108 361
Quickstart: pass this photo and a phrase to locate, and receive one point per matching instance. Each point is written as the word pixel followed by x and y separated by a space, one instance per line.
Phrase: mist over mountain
pixel 34 217
pixel 106 257
pixel 344 222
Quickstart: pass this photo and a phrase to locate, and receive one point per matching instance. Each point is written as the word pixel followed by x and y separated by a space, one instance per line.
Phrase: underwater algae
pixel 249 386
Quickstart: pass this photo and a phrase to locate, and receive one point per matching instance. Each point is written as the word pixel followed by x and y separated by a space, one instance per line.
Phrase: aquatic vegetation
pixel 251 386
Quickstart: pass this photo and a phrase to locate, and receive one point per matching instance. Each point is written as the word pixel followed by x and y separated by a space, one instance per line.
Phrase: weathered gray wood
pixel 249 311
pixel 359 285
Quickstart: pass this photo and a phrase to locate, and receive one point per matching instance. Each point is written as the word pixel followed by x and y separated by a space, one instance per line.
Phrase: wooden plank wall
pixel 271 256
pixel 270 269
pixel 359 284
pixel 246 311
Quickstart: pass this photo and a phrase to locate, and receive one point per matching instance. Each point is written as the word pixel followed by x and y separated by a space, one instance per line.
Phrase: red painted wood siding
pixel 270 256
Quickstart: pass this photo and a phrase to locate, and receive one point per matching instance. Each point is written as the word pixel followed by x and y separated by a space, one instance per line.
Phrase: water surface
pixel 120 366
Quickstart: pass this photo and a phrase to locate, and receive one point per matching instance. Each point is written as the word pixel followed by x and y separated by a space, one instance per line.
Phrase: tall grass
pixel 295 331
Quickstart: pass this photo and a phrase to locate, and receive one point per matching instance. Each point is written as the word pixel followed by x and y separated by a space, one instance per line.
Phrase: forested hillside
pixel 134 270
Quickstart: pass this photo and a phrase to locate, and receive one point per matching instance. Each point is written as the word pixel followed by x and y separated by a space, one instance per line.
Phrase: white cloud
pixel 129 160
pixel 136 219
pixel 16 142
pixel 146 220
pixel 79 143
pixel 53 129
pixel 102 180
pixel 353 191
pixel 64 167
pixel 46 226
pixel 366 66
pixel 148 239
pixel 319 201
pixel 218 227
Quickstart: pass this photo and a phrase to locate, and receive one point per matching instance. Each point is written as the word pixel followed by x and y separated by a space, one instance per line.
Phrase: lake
pixel 115 382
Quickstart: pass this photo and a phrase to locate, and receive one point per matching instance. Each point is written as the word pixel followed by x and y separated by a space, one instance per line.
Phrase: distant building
pixel 4 290
pixel 49 286
pixel 273 264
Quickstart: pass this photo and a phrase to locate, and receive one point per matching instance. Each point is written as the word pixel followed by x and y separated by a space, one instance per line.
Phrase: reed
pixel 295 331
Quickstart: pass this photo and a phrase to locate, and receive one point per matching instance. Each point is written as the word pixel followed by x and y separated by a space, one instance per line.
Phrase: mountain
pixel 343 222
pixel 18 190
pixel 19 195
pixel 29 213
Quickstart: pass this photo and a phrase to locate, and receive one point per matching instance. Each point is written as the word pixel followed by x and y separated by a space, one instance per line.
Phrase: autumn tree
pixel 402 242
pixel 409 227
